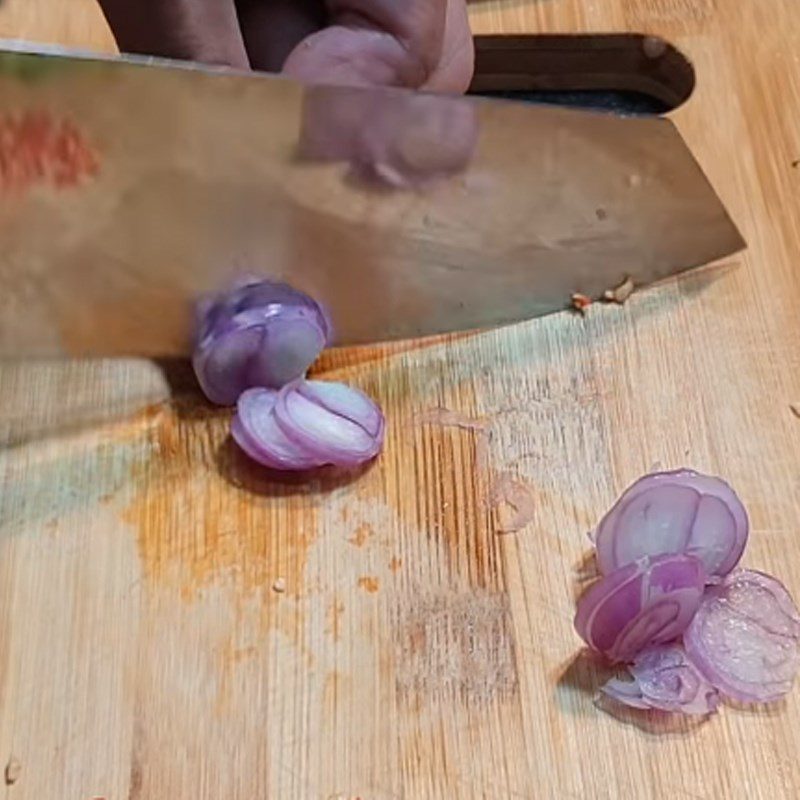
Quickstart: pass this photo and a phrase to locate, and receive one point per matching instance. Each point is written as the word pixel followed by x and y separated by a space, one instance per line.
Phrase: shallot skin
pixel 665 679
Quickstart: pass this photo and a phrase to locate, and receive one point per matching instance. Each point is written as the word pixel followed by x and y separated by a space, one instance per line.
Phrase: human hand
pixel 395 140
pixel 418 44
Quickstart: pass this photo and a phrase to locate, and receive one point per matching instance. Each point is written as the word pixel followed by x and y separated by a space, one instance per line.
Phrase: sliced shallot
pixel 257 432
pixel 665 679
pixel 745 637
pixel 308 424
pixel 674 512
pixel 259 334
pixel 648 602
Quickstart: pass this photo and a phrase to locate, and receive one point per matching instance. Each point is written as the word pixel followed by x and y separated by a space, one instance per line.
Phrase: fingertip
pixel 457 64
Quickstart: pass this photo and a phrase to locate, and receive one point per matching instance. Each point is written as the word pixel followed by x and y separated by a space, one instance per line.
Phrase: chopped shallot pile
pixel 673 607
pixel 254 346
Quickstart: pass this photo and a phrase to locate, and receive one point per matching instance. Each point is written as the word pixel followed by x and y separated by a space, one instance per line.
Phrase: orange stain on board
pixel 204 514
pixel 36 148
pixel 362 534
pixel 334 617
pixel 395 564
pixel 369 584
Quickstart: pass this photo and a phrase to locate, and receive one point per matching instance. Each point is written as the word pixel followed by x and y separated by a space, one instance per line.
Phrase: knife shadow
pixel 338 357
pixel 57 399
pixel 76 397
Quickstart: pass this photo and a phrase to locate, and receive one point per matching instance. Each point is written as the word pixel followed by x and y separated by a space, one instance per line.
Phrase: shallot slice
pixel 745 638
pixel 346 435
pixel 674 512
pixel 641 604
pixel 256 431
pixel 308 424
pixel 665 679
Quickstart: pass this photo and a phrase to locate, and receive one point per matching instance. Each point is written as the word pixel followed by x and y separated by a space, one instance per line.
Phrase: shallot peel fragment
pixel 663 678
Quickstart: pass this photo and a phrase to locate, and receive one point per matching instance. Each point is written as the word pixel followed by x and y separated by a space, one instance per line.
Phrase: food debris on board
pixel 619 294
pixel 369 584
pixel 453 419
pixel 513 500
pixel 580 303
pixel 656 672
pixel 279 586
pixel 507 491
pixel 701 628
pixel 12 771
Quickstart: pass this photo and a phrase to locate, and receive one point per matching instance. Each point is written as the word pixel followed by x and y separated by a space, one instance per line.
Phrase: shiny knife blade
pixel 130 187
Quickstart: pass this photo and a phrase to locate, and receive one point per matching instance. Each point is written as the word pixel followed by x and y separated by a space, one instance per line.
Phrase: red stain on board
pixel 36 148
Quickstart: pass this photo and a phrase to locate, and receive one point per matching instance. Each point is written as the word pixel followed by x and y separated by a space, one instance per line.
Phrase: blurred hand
pixel 401 141
pixel 418 44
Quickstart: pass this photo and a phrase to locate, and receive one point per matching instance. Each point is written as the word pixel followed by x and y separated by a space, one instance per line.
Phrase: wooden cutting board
pixel 173 625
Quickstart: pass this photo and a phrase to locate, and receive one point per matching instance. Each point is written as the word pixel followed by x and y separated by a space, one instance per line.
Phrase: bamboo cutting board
pixel 172 625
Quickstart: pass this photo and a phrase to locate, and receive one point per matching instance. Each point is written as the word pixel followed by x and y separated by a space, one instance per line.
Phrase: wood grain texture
pixel 414 653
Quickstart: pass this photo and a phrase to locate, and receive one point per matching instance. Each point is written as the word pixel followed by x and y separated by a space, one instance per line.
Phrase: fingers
pixel 273 28
pixel 417 28
pixel 401 141
pixel 351 57
pixel 454 71
pixel 409 43
pixel 196 30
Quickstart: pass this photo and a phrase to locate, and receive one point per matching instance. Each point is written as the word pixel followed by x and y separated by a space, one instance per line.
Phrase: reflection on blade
pixel 398 140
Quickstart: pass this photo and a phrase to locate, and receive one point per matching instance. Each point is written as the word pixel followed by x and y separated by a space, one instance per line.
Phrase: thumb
pixel 416 44
pixel 195 30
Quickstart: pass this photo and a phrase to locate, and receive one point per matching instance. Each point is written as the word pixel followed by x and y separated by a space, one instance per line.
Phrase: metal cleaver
pixel 130 187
